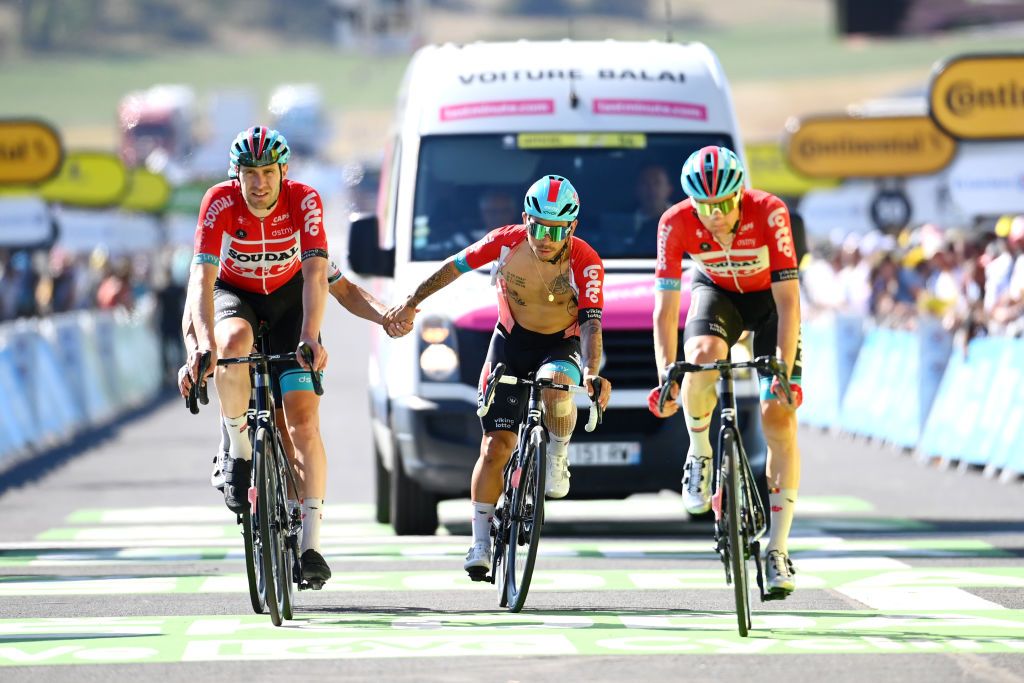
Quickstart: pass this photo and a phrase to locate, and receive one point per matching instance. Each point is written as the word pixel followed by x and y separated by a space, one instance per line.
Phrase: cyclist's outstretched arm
pixel 592 346
pixel 444 276
pixel 361 303
pixel 314 301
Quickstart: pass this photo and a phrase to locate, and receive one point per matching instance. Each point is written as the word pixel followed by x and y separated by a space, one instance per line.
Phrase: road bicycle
pixel 519 513
pixel 740 519
pixel 270 530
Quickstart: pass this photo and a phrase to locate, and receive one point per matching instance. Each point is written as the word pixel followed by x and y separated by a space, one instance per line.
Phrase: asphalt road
pixel 119 562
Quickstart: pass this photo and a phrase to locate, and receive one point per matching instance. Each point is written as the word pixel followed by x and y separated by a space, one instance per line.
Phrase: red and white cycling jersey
pixel 259 254
pixel 761 253
pixel 586 266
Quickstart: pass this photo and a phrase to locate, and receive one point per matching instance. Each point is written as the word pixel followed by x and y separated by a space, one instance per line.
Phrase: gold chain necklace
pixel 551 296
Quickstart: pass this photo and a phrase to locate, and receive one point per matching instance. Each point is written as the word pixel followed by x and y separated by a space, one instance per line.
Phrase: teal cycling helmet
pixel 712 172
pixel 258 146
pixel 552 198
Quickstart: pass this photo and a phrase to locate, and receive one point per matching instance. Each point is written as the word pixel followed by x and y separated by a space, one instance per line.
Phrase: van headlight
pixel 439 358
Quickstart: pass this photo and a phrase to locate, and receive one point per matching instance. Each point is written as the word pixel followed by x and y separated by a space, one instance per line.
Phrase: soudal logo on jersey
pixel 264 256
pixel 216 207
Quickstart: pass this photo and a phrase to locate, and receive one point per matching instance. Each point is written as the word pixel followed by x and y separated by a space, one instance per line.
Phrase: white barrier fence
pixel 64 375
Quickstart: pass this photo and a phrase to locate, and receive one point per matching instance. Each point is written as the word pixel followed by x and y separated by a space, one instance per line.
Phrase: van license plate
pixel 618 453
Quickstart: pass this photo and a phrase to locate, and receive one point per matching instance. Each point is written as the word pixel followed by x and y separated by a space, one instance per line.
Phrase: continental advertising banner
pixel 30 151
pixel 979 97
pixel 876 147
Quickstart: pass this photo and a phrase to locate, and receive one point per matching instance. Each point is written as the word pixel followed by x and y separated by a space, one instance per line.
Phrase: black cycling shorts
pixel 281 310
pixel 523 352
pixel 720 313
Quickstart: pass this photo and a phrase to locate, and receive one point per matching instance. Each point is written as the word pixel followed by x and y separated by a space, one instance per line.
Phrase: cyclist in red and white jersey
pixel 741 243
pixel 550 300
pixel 261 255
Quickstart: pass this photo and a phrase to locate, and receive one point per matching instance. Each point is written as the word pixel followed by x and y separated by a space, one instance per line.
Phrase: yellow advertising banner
pixel 88 179
pixel 30 151
pixel 855 147
pixel 147 191
pixel 769 171
pixel 979 97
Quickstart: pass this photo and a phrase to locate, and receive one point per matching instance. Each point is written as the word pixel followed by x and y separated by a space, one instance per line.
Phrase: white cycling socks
pixel 239 445
pixel 312 516
pixel 482 515
pixel 700 439
pixel 782 503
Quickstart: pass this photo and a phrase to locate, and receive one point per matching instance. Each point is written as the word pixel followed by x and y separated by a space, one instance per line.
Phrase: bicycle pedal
pixel 478 574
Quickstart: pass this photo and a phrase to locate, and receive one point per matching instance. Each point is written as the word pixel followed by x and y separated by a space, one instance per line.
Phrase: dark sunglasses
pixel 724 205
pixel 557 233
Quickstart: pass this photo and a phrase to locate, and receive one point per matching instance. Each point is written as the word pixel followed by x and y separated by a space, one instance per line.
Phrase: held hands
pixel 397 320
pixel 319 355
pixel 606 389
pixel 671 405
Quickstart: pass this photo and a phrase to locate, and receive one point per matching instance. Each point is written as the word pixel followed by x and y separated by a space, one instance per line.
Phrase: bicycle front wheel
pixel 527 518
pixel 286 539
pixel 734 503
pixel 253 567
pixel 266 509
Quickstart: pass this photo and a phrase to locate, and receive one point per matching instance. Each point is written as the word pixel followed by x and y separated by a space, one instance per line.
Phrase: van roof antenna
pixel 574 99
pixel 668 21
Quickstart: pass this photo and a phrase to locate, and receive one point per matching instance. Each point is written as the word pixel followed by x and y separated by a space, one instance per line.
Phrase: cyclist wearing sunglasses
pixel 549 321
pixel 741 243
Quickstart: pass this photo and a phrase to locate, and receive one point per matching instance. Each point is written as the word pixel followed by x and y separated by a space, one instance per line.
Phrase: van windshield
pixel 468 185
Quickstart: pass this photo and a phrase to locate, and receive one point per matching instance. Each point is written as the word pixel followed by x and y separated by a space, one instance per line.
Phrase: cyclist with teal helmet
pixel 550 297
pixel 741 244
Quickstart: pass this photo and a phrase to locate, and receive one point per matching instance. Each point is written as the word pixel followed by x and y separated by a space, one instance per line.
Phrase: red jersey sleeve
pixel 588 274
pixel 213 217
pixel 668 269
pixel 488 248
pixel 313 238
pixel 781 253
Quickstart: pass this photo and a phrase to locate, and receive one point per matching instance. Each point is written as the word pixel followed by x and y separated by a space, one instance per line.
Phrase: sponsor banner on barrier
pixel 30 151
pixel 979 97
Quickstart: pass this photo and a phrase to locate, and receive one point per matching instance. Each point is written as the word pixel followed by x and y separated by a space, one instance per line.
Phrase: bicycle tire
pixel 500 546
pixel 734 504
pixel 283 530
pixel 257 594
pixel 527 520
pixel 269 551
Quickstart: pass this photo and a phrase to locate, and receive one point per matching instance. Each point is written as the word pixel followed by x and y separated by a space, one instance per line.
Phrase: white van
pixel 475 126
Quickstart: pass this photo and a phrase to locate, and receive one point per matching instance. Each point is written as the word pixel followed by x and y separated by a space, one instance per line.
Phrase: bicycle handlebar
pixel 498 375
pixel 198 393
pixel 769 365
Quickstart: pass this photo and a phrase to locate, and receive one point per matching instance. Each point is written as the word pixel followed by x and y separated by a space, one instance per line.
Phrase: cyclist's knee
pixel 233 337
pixel 778 422
pixel 705 349
pixel 497 446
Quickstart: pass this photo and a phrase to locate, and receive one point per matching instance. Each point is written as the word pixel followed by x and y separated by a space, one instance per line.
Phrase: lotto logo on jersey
pixel 783 235
pixel 314 214
pixel 593 287
pixel 216 207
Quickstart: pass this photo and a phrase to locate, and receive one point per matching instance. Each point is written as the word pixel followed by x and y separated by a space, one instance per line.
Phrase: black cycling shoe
pixel 315 571
pixel 237 475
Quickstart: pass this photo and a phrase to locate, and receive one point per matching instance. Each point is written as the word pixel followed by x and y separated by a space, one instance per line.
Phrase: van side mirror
pixel 365 255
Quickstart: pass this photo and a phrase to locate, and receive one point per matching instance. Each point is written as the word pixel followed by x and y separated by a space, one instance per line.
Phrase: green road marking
pixel 216 514
pixel 867 575
pixel 802 547
pixel 39 642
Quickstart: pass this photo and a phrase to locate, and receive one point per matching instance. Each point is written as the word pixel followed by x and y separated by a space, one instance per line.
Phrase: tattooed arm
pixel 592 347
pixel 445 275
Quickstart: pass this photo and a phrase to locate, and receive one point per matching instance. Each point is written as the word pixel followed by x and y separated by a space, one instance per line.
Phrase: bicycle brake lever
pixel 307 355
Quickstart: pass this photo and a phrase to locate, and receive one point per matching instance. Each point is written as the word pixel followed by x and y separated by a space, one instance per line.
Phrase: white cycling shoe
pixel 478 561
pixel 780 573
pixel 557 476
pixel 697 484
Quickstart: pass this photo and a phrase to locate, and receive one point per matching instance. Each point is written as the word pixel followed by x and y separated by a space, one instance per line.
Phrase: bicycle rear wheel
pixel 253 568
pixel 266 506
pixel 734 504
pixel 527 518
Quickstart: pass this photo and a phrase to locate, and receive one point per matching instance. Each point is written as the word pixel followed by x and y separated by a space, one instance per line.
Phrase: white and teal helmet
pixel 258 146
pixel 712 172
pixel 552 198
